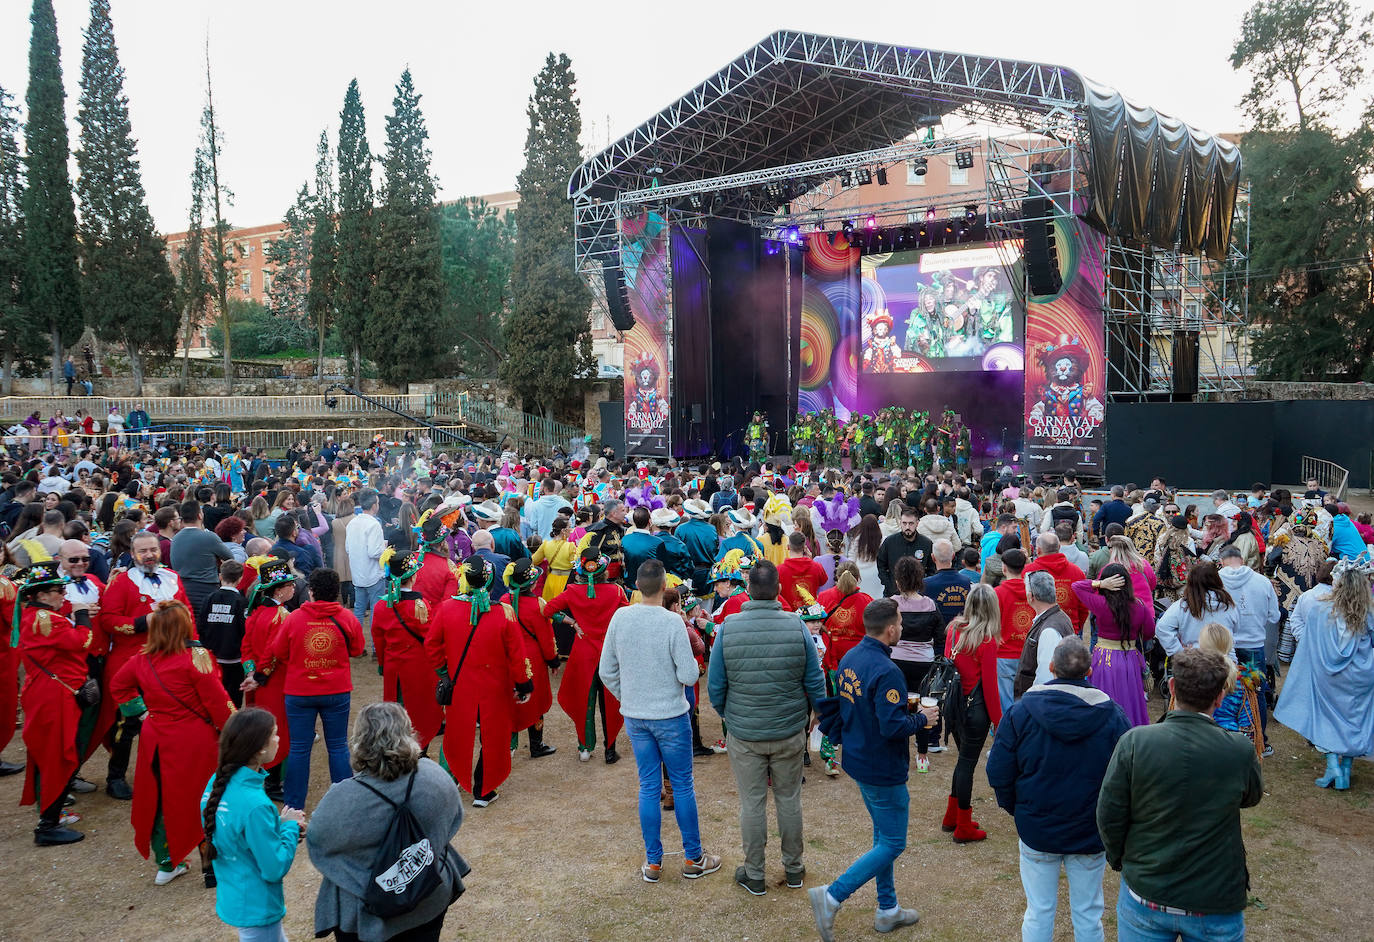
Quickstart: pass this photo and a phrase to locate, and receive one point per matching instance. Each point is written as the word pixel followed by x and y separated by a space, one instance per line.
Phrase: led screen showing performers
pixel 941 310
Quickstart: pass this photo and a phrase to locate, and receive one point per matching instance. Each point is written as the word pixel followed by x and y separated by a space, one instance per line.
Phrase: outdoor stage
pixel 755 258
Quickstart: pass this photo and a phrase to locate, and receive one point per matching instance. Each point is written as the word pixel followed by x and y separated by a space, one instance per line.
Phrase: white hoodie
pixel 1257 606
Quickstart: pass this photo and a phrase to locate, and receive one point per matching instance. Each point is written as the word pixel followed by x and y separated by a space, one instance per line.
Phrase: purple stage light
pixel 1004 356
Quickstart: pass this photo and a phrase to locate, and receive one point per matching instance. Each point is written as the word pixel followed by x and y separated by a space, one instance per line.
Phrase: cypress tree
pixel 323 250
pixel 355 242
pixel 51 289
pixel 548 334
pixel 18 337
pixel 127 287
pixel 290 255
pixel 405 332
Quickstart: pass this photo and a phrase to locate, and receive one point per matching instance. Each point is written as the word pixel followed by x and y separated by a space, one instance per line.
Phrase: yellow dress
pixel 561 555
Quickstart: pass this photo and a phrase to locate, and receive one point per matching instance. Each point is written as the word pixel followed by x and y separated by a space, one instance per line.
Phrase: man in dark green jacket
pixel 764 679
pixel 1169 814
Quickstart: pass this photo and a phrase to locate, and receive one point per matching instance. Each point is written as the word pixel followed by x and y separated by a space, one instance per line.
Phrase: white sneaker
pixel 934 748
pixel 718 747
pixel 583 755
pixel 167 876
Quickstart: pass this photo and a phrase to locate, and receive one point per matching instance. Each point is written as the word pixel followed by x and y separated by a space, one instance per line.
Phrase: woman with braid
pixel 251 845
pixel 176 688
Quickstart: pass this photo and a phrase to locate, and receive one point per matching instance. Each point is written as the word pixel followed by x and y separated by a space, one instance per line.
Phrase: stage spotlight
pixel 848 227
pixel 908 235
pixel 864 176
pixel 922 232
pixel 919 166
pixel 930 214
pixel 871 222
pixel 882 176
pixel 695 200
pixel 971 212
pixel 963 159
pixel 846 179
pixel 717 203
pixel 820 226
pixel 794 235
pixel 931 119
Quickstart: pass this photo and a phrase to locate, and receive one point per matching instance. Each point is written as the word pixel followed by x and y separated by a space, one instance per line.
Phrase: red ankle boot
pixel 951 815
pixel 966 829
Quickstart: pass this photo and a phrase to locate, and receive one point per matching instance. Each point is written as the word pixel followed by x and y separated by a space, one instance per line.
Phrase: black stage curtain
pixel 692 381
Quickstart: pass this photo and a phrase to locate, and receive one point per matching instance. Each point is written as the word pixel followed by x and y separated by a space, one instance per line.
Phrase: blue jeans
pixel 1006 681
pixel 1040 881
pixel 656 744
pixel 332 710
pixel 1136 922
pixel 1254 657
pixel 888 806
pixel 272 933
pixel 365 598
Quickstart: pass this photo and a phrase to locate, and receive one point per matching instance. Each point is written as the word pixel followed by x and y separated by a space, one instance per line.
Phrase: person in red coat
pixel 315 645
pixel 177 688
pixel 589 606
pixel 123 618
pixel 53 650
pixel 264 682
pixel 438 576
pixel 799 576
pixel 1050 558
pixel 971 642
pixel 474 647
pixel 843 626
pixel 400 622
pixel 9 675
pixel 536 634
pixel 1016 619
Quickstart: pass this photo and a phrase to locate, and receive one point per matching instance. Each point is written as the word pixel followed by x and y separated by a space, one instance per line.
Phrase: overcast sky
pixel 281 69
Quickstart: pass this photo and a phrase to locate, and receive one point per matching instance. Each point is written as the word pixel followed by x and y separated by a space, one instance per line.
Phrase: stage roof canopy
pixel 799 97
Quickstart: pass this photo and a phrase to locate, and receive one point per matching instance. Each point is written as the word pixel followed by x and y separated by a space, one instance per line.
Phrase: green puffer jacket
pixel 764 678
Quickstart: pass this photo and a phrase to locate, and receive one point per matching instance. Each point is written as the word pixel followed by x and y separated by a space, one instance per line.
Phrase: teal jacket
pixel 254 849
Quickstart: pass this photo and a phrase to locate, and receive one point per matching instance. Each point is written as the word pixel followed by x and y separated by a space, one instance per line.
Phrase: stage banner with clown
pixel 644 259
pixel 1066 360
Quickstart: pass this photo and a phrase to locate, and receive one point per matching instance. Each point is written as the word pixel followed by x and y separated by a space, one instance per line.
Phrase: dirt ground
pixel 557 857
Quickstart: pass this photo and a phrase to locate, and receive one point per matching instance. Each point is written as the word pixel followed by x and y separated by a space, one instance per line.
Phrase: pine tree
pixel 290 256
pixel 405 332
pixel 547 332
pixel 17 333
pixel 477 244
pixel 355 249
pixel 219 256
pixel 323 251
pixel 127 287
pixel 51 287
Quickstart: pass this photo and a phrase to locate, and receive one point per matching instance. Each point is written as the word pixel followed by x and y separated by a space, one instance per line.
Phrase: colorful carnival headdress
pixel 1067 346
pixel 732 567
pixel 477 573
pixel 398 568
pixel 592 564
pixel 273 571
pixel 36 578
pixel 645 361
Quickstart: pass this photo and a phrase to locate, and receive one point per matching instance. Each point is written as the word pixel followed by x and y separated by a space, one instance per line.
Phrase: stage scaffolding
pixel 767 139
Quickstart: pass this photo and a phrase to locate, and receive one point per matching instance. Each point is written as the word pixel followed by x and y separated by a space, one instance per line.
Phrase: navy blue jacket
pixel 1113 511
pixel 874 720
pixel 1048 761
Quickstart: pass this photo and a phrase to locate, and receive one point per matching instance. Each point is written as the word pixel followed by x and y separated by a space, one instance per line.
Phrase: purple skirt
pixel 1120 675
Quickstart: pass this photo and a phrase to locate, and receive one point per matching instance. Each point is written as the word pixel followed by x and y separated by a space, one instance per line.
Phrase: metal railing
pixel 1330 476
pixel 273 439
pixel 17 408
pixel 533 431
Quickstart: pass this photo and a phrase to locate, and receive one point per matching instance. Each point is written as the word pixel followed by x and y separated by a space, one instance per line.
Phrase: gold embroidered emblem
pixel 893 696
pixel 510 612
pixel 529 673
pixel 203 660
pixel 90 636
pixel 42 623
pixel 421 610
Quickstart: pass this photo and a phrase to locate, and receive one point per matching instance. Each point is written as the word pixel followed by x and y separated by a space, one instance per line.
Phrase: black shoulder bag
pixel 405 871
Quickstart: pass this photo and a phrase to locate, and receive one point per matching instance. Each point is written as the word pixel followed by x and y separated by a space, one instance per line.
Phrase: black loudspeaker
pixel 613 425
pixel 617 301
pixel 1042 260
pixel 1185 364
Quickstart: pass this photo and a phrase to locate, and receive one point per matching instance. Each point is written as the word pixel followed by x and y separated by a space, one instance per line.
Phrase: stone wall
pixel 1265 390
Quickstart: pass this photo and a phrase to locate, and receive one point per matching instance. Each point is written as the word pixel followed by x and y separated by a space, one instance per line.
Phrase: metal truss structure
pixel 768 139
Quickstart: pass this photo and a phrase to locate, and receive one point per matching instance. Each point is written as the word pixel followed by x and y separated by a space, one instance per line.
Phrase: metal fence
pixel 17 408
pixel 533 431
pixel 1330 476
pixel 273 439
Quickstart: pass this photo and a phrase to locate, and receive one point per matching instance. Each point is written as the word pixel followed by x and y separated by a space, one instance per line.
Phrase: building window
pixel 247 283
pixel 599 320
pixel 958 176
pixel 912 178
pixel 266 281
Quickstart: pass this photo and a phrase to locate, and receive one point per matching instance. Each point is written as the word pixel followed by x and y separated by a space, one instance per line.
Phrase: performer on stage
pixel 176 688
pixel 54 653
pixel 589 604
pixel 264 682
pixel 128 600
pixel 400 624
pixel 536 635
pixel 474 647
pixel 757 438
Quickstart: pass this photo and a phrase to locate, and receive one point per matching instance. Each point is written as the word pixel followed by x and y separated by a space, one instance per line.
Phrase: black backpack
pixel 942 682
pixel 406 869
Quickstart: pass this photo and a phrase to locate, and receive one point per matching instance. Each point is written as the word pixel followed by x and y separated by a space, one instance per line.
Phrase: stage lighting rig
pixel 848 227
pixel 846 179
pixel 871 222
pixel 930 214
pixel 882 176
pixel 864 176
pixel 920 166
pixel 694 200
pixel 963 159
pixel 971 212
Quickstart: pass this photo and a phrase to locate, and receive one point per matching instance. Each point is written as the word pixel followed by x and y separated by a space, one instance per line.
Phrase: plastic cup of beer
pixel 929 702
